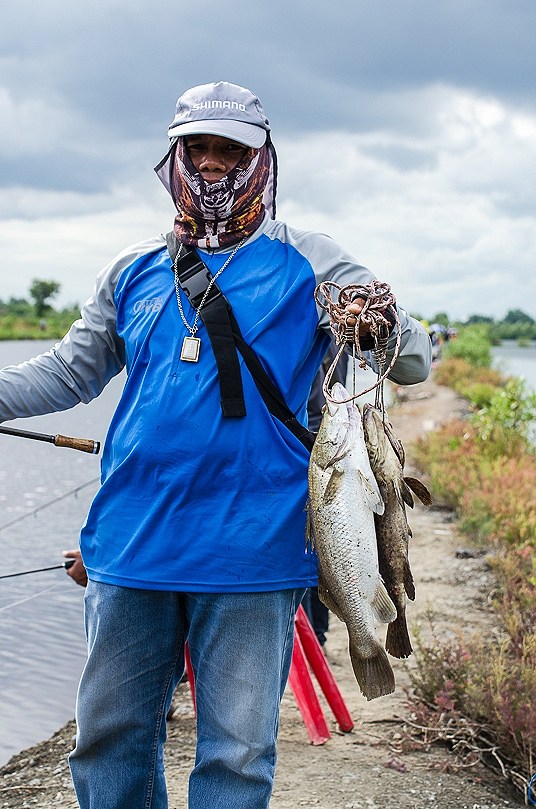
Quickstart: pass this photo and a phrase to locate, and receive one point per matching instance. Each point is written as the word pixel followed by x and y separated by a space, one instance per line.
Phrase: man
pixel 198 528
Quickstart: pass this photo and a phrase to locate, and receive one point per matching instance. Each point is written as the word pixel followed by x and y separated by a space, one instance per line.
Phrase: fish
pixel 387 459
pixel 343 497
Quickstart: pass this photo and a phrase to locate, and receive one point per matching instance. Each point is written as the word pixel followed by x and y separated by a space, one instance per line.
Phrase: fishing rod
pixel 66 565
pixel 83 444
pixel 49 503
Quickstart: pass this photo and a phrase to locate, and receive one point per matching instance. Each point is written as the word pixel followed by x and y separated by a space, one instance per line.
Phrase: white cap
pixel 223 109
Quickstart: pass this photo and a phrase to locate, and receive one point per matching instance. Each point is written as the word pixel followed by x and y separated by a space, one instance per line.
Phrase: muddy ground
pixel 362 769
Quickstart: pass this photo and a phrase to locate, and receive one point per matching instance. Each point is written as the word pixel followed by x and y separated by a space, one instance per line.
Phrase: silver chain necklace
pixel 191 345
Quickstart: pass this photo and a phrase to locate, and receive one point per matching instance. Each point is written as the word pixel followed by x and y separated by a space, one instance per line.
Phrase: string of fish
pixel 379 299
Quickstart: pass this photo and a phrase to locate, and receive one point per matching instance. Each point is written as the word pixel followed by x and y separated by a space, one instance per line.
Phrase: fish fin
pixel 330 492
pixel 384 609
pixel 397 640
pixel 395 442
pixel 327 599
pixel 373 674
pixel 402 493
pixel 420 490
pixel 372 495
pixel 409 584
pixel 407 496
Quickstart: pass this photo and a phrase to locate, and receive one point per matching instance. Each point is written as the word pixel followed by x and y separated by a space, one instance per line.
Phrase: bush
pixel 472 344
pixel 450 458
pixel 484 468
pixel 482 692
pixel 472 383
pixel 507 418
pixel 57 324
pixel 479 394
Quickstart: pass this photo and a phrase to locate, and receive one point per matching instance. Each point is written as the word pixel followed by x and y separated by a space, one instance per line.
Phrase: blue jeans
pixel 241 647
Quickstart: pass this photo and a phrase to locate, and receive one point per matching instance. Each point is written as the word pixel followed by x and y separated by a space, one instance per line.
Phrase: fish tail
pixel 397 640
pixel 373 674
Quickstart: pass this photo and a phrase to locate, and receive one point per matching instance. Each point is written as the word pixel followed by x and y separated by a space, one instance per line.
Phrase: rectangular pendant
pixel 190 349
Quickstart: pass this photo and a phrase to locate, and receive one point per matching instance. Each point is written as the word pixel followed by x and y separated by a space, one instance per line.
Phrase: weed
pixel 480 693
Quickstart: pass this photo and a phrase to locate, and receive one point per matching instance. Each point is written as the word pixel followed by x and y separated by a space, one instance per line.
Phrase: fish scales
pixel 343 496
pixel 387 459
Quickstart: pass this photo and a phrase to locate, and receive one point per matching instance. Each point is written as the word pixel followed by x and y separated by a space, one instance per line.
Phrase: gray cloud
pixel 124 63
pixel 406 130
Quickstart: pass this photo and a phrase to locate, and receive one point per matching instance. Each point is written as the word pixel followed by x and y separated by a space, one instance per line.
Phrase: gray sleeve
pixel 331 263
pixel 73 371
pixel 80 366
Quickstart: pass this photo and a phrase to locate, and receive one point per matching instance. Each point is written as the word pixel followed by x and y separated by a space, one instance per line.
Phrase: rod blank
pixel 82 444
pixel 66 565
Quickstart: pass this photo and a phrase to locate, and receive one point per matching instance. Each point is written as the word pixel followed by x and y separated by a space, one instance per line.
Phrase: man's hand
pixel 349 316
pixel 77 571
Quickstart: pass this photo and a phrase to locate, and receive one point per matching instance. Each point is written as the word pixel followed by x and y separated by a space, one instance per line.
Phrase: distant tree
pixel 40 292
pixel 442 318
pixel 474 319
pixel 19 307
pixel 517 316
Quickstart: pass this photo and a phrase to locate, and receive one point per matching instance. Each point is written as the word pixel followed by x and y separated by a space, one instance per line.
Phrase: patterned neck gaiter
pixel 212 215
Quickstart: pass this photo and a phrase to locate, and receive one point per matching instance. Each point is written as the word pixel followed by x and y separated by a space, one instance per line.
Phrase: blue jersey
pixel 191 500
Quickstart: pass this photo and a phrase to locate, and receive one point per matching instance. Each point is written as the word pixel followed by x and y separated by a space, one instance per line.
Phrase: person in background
pixel 197 530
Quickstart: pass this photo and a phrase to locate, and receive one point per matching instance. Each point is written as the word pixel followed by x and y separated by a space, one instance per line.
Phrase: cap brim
pixel 248 134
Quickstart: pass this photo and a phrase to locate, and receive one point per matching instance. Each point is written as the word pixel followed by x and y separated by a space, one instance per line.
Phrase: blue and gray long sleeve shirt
pixel 190 500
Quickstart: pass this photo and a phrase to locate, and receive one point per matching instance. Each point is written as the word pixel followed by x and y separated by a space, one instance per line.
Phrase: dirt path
pixel 362 769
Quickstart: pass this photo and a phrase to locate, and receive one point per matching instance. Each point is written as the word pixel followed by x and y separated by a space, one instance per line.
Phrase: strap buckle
pixel 195 282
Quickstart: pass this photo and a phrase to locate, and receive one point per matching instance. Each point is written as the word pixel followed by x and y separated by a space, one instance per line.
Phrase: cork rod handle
pixel 83 444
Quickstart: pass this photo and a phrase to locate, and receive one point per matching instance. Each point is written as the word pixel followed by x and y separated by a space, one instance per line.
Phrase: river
pixel 42 649
pixel 509 358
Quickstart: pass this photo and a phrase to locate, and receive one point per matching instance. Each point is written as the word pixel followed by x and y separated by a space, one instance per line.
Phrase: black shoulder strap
pixel 269 391
pixel 194 278
pixel 225 337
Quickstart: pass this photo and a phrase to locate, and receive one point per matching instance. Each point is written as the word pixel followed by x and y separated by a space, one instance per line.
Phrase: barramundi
pixel 387 459
pixel 343 498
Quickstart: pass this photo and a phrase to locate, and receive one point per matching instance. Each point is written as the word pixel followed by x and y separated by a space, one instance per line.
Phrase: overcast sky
pixel 405 130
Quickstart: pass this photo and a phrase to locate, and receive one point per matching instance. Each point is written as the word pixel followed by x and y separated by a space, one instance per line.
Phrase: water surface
pixel 42 647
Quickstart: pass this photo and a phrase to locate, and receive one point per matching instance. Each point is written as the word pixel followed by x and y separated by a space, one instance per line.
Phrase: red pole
pixel 305 695
pixel 319 664
pixel 189 672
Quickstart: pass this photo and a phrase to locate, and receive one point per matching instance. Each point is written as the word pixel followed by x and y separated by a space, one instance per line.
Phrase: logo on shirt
pixel 148 305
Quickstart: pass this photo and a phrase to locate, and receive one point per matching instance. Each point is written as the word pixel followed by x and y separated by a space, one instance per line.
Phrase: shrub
pixel 479 394
pixel 483 693
pixel 507 418
pixel 484 468
pixel 472 344
pixel 459 374
pixel 504 501
pixel 450 458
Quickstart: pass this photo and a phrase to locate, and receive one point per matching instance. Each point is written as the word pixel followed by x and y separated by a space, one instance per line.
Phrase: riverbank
pixel 374 765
